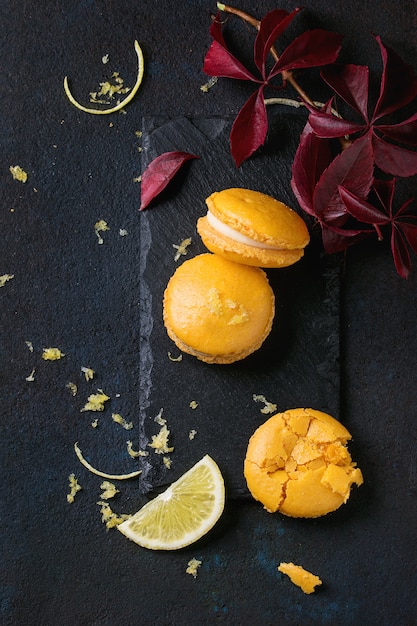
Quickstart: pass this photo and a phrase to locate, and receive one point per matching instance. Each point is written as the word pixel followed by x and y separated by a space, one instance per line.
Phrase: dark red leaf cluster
pixel 344 193
pixel 398 88
pixel 311 49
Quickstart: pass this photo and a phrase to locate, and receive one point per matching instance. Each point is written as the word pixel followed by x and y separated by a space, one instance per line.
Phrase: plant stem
pixel 286 75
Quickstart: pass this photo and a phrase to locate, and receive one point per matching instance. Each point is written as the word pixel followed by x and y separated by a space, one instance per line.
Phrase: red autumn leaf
pixel 312 157
pixel 159 173
pixel 398 88
pixel 394 159
pixel 398 83
pixel 351 83
pixel 249 128
pixel 403 222
pixel 311 49
pixel 328 126
pixel 219 61
pixel 353 169
pixel 271 27
pixel 404 132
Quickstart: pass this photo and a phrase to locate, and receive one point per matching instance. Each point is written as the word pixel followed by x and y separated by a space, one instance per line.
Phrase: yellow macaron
pixel 217 310
pixel 253 228
pixel 297 463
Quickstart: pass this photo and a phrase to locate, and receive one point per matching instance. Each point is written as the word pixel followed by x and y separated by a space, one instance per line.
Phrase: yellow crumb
pixel 105 59
pixel 74 488
pixel 5 278
pixel 160 441
pixel 192 434
pixel 193 566
pixel 123 232
pixel 29 345
pixel 174 359
pixel 18 173
pixel 120 420
pixel 193 404
pixel 52 354
pixel 300 577
pixel 96 401
pixel 269 407
pixel 72 387
pixel 181 249
pixel 167 462
pixel 88 372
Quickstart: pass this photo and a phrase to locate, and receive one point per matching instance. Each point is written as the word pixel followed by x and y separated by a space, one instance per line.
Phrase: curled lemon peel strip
pixel 121 104
pixel 98 472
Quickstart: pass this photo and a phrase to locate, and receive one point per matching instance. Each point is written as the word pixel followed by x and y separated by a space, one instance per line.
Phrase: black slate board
pixel 298 365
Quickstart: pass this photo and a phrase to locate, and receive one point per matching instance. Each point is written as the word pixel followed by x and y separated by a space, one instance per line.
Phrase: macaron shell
pixel 217 310
pixel 297 463
pixel 260 217
pixel 242 253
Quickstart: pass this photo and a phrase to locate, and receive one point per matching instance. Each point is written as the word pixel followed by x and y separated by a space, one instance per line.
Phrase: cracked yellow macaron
pixel 217 310
pixel 253 228
pixel 298 463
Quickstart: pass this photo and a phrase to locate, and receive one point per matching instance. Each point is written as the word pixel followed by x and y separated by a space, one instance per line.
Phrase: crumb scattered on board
pixel 300 577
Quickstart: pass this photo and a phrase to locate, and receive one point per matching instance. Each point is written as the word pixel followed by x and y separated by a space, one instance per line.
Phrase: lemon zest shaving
pixel 74 488
pixel 193 566
pixel 31 376
pixel 108 516
pixel 73 388
pixel 135 453
pixel 5 278
pixel 109 490
pixel 88 372
pixel 93 470
pixel 18 173
pixel 52 354
pixel 269 406
pixel 120 420
pixel 95 401
pixel 121 104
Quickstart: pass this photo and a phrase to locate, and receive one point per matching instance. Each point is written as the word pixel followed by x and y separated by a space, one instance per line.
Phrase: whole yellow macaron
pixel 217 310
pixel 298 463
pixel 253 228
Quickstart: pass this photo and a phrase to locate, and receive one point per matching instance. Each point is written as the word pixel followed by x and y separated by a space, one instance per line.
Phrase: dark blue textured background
pixel 58 564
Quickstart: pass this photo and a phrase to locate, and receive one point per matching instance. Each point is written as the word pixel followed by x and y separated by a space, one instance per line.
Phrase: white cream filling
pixel 231 233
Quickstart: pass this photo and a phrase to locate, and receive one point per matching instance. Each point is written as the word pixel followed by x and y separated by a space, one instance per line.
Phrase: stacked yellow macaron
pixel 219 306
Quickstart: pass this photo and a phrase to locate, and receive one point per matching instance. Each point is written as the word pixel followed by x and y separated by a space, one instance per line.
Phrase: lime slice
pixel 183 513
pixel 121 104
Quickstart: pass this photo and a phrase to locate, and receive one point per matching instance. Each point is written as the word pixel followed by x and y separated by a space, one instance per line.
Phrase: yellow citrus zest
pixel 121 104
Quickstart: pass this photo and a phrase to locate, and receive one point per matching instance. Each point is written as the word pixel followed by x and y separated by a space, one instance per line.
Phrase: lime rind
pixel 120 105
